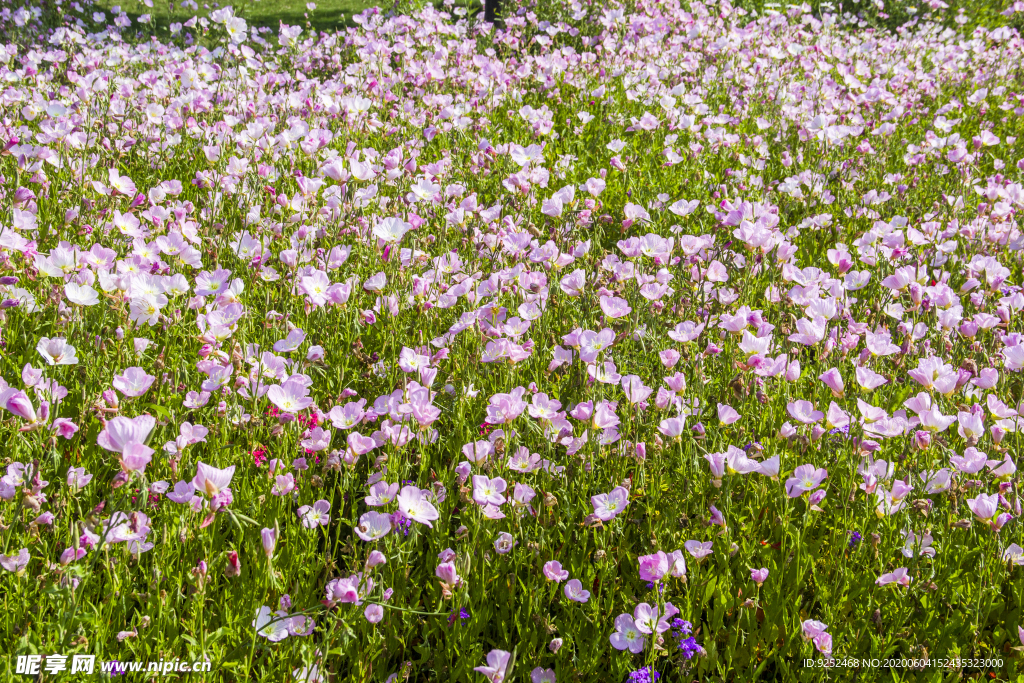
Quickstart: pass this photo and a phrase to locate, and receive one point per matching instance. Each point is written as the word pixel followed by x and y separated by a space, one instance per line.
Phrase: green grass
pixel 328 15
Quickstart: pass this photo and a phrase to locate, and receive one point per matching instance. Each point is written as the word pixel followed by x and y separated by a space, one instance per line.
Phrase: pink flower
pixel 135 457
pixel 823 643
pixel 803 411
pixel 899 577
pixel 673 427
pixel 669 357
pixel 575 592
pixel 64 427
pixel 677 564
pixel 212 480
pixel 121 431
pixel 727 414
pixel 416 507
pixel 834 381
pixel 18 403
pixel 986 508
pixel 359 445
pixel 614 307
pixel 653 567
pixel 291 342
pixel 271 625
pixel 373 613
pixel 539 675
pixel 488 491
pixel 497 663
pixel 697 549
pixel 608 505
pixel 134 382
pixel 553 571
pixel 15 563
pixel 805 478
pixel 343 591
pixel 627 635
pixel 268 537
pixel 635 390
pixel 447 573
pixel 315 515
pixel 759 576
pixel 290 397
pixel 373 525
pixel 812 629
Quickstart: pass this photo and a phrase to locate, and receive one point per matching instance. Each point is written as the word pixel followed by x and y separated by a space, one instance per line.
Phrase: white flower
pixel 57 351
pixel 83 295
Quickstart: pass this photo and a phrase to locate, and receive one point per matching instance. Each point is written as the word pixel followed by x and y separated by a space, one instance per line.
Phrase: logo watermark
pixel 31 665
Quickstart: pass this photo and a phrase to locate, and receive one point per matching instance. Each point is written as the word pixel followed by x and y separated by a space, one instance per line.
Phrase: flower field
pixel 606 343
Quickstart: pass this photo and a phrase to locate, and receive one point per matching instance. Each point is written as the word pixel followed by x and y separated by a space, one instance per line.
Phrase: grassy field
pixel 297 330
pixel 326 15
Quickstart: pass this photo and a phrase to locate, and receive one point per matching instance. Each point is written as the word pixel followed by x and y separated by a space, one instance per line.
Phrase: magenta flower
pixel 553 571
pixel 654 567
pixel 627 636
pixel 759 576
pixel 133 382
pixel 373 613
